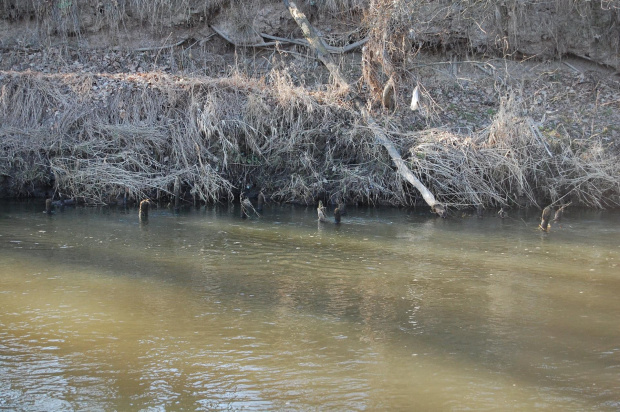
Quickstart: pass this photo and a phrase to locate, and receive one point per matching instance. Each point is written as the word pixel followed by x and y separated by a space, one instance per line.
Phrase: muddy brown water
pixel 391 310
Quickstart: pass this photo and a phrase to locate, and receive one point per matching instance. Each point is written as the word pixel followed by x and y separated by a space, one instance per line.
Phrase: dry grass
pixel 509 163
pixel 96 136
pixel 139 133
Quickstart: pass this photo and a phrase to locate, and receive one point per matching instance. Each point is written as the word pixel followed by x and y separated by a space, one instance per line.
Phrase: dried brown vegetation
pixel 510 162
pixel 97 134
pixel 214 134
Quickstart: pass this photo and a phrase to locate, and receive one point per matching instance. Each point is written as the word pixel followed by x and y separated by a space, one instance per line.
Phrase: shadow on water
pixel 458 295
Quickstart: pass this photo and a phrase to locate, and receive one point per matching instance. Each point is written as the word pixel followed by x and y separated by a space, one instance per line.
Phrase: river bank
pixel 97 123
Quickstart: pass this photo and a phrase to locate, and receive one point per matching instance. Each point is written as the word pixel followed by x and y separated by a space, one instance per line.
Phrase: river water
pixel 391 310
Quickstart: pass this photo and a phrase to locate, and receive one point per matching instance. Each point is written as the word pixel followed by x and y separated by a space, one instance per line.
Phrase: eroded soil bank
pixel 97 101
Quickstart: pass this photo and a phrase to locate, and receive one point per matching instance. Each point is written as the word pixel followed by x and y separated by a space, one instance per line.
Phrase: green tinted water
pixel 392 310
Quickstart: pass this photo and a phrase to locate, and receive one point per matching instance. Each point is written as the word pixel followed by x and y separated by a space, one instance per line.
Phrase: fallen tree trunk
pixel 401 166
pixel 319 46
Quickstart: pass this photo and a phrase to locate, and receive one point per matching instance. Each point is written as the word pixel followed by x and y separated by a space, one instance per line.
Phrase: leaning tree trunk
pixel 401 166
pixel 323 54
pixel 316 42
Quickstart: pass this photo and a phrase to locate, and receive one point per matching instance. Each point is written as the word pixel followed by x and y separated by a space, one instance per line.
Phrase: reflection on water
pixel 392 310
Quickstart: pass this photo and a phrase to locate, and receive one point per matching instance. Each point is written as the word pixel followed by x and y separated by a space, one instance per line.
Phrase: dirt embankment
pixel 519 100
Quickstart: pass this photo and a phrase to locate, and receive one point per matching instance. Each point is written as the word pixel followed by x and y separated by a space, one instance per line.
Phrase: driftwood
pixel 320 210
pixel 545 217
pixel 144 209
pixel 261 201
pixel 401 166
pixel 247 207
pixel 323 54
pixel 177 191
pixel 337 215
